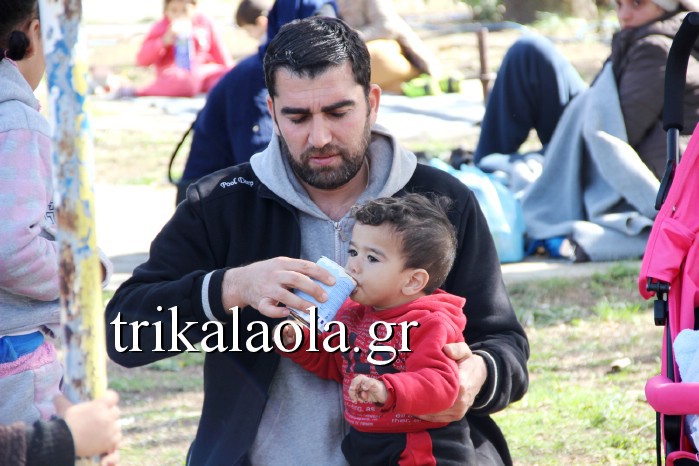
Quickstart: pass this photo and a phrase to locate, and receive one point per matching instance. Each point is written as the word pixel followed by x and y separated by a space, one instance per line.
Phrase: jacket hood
pixel 391 167
pixel 14 86
pixel 439 301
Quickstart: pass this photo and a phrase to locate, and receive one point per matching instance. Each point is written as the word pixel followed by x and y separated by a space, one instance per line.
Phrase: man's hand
pixel 265 284
pixel 472 375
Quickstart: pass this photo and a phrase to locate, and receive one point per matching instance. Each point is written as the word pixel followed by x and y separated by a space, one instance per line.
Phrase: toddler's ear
pixel 415 282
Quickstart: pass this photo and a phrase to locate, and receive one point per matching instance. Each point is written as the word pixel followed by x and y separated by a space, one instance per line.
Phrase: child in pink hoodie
pixel 30 373
pixel 188 55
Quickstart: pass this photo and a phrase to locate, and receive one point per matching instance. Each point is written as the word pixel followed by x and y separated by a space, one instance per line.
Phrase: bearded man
pixel 247 236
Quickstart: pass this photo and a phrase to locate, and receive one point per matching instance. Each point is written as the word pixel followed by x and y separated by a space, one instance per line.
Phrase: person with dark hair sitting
pixel 235 122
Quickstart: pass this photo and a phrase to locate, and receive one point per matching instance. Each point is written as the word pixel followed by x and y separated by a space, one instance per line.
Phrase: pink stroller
pixel 670 268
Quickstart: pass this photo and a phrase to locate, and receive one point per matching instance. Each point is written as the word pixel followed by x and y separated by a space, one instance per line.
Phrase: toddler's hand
pixel 364 389
pixel 288 335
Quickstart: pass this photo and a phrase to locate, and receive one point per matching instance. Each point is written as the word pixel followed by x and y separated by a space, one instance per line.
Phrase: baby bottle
pixel 182 28
pixel 337 294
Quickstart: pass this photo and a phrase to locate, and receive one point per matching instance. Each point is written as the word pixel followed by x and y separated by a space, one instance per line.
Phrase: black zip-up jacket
pixel 231 219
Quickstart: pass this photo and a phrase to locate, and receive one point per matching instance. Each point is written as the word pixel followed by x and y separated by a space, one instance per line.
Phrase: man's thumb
pixel 457 351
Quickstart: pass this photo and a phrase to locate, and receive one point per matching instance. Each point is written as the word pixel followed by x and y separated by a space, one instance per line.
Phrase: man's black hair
pixel 308 47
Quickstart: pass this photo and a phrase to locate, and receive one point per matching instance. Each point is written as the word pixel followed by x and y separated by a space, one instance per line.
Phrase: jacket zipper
pixel 338 241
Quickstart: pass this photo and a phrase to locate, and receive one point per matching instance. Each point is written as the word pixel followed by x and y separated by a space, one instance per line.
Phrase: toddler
pixel 400 253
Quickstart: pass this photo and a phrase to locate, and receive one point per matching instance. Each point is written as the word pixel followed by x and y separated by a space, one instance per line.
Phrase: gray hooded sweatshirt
pixel 28 255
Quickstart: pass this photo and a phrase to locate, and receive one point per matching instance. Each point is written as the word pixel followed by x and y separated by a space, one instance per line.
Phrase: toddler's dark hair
pixel 16 16
pixel 428 237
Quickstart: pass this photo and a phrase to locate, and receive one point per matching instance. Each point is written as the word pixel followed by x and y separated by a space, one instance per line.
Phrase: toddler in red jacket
pixel 396 323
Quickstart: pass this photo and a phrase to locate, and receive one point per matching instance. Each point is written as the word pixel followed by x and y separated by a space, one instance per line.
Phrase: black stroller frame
pixel 671 438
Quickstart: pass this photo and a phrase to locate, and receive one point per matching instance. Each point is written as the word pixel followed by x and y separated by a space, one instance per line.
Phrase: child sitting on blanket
pixel 188 55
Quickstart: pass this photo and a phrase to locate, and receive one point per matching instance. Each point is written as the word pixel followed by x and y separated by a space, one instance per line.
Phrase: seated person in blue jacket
pixel 247 236
pixel 401 251
pixel 235 122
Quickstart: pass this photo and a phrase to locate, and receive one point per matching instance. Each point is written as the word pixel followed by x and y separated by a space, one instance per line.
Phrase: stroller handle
pixel 676 71
pixel 674 398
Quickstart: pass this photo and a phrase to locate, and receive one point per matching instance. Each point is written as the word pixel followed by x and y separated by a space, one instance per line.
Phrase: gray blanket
pixel 593 187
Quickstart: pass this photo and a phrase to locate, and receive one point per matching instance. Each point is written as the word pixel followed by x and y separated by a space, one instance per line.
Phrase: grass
pixel 579 409
pixel 129 155
pixel 611 294
pixel 582 407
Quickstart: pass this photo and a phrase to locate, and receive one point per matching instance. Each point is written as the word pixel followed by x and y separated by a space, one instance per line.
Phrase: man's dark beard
pixel 328 177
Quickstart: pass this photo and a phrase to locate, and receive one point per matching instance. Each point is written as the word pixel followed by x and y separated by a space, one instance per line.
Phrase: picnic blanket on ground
pixel 445 118
pixel 593 187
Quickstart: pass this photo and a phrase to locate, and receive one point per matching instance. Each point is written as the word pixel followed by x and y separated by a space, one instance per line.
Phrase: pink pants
pixel 29 384
pixel 177 82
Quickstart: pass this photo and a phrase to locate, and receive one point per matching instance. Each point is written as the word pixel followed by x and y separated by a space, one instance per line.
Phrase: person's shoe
pixel 451 84
pixel 421 86
pixel 460 156
pixel 573 251
pixel 555 248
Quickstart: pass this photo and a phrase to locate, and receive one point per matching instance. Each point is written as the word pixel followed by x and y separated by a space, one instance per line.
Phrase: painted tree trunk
pixel 80 271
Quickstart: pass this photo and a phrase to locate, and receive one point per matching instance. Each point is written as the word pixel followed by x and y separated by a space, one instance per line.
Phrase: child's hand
pixel 288 336
pixel 168 37
pixel 93 424
pixel 364 389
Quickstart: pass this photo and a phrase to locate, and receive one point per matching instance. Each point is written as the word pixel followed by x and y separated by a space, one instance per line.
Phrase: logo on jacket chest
pixel 237 181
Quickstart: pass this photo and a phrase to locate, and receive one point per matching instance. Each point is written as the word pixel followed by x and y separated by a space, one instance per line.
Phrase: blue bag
pixel 502 210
